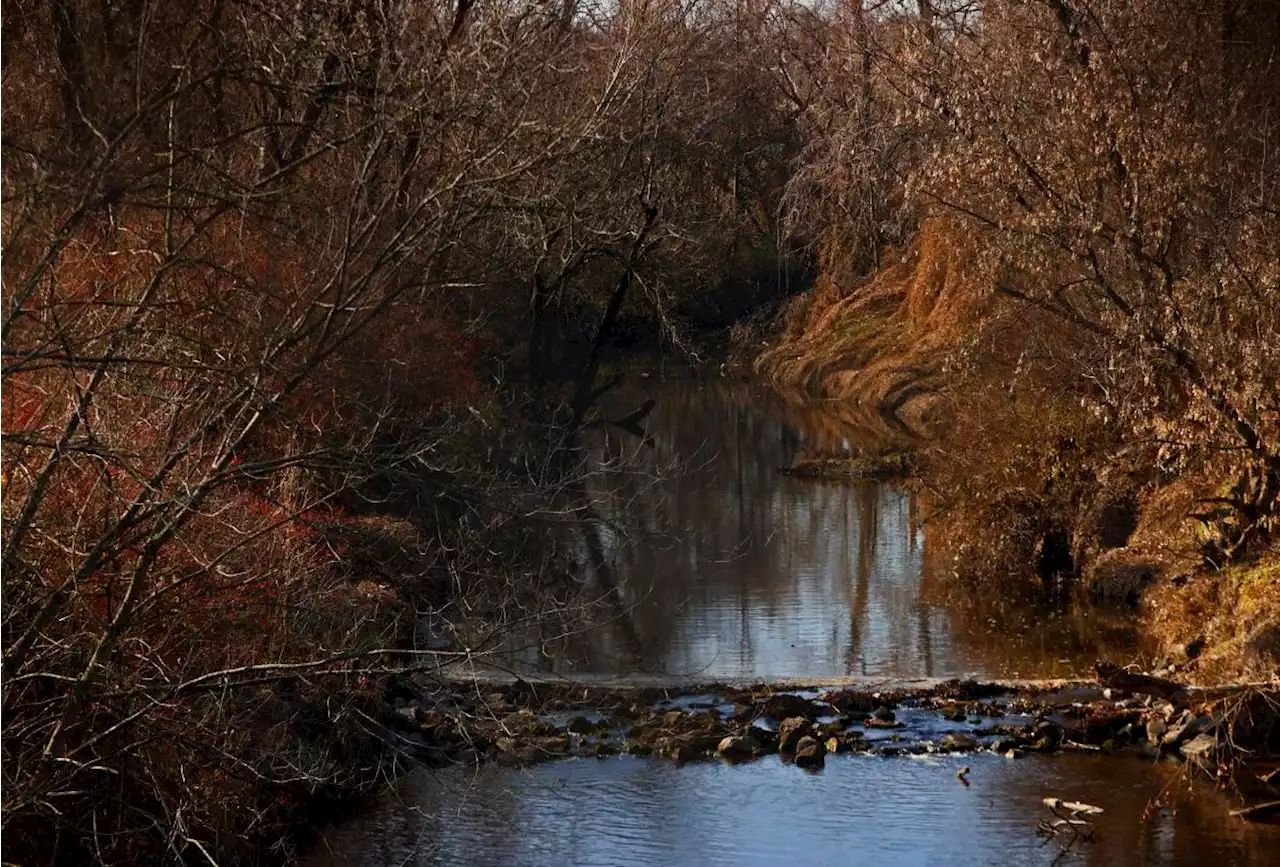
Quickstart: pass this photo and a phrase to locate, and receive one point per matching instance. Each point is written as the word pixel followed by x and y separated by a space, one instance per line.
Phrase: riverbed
pixel 725 569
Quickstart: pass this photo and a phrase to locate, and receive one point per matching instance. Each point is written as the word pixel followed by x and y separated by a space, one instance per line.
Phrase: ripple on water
pixel 860 810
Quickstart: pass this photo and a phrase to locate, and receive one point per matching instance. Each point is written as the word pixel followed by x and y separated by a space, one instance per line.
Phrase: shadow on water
pixel 721 567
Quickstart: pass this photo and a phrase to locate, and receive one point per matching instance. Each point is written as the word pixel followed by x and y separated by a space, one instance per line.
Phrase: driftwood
pixel 1069 824
pixel 1258 811
pixel 1115 677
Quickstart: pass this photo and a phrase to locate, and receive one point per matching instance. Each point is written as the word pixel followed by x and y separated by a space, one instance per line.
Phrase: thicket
pixel 304 307
pixel 1049 235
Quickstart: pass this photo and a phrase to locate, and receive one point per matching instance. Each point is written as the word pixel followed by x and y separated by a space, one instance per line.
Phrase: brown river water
pixel 723 568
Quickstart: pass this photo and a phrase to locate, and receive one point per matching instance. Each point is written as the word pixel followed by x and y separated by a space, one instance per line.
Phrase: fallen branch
pixel 1257 812
pixel 1115 677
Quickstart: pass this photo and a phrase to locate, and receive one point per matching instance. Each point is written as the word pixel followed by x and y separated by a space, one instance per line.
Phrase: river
pixel 723 568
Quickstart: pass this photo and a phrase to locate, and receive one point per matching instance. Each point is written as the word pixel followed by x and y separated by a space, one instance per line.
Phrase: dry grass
pixel 1236 610
pixel 880 342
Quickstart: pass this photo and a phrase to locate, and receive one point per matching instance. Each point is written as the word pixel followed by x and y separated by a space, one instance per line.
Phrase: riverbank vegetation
pixel 306 308
pixel 1069 283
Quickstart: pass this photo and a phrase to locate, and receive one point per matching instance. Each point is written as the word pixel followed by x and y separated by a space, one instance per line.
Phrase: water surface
pixel 860 810
pixel 727 569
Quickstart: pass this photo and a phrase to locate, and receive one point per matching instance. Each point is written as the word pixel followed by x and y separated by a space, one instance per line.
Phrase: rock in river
pixel 783 705
pixel 959 742
pixel 738 747
pixel 791 732
pixel 810 753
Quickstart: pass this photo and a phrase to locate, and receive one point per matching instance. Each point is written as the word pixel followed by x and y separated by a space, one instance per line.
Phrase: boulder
pixel 810 753
pixel 790 733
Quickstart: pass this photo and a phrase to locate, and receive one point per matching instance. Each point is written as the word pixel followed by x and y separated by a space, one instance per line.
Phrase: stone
pixel 736 747
pixel 1201 749
pixel 834 727
pixel 580 725
pixel 1186 727
pixel 1048 736
pixel 783 705
pixel 959 741
pixel 791 731
pixel 810 753
pixel 883 714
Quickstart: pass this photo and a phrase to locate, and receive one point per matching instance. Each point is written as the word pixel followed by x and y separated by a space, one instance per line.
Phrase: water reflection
pixel 860 810
pixel 725 568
